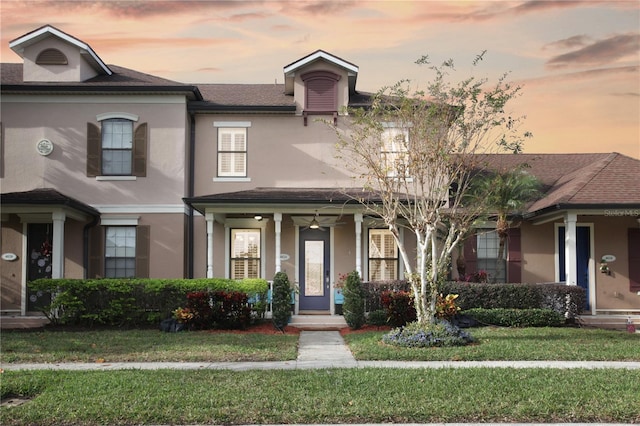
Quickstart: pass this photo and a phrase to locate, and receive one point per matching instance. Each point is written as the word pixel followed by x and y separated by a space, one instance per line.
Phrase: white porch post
pixel 210 219
pixel 57 256
pixel 277 218
pixel 570 255
pixel 357 218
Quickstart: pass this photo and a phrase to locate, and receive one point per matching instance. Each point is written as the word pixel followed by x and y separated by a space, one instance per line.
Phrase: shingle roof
pixel 568 181
pixel 246 95
pixel 286 195
pixel 46 196
pixel 577 180
pixel 121 79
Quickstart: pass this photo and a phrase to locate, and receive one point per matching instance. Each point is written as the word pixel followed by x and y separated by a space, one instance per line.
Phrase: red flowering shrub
pixel 230 309
pixel 399 307
pixel 218 309
pixel 198 303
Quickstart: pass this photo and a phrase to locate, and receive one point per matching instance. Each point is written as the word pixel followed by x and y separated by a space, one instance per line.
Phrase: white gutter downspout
pixel 210 219
pixel 277 218
pixel 357 217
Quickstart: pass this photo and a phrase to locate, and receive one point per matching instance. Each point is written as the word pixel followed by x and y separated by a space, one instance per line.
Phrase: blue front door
pixel 314 270
pixel 583 254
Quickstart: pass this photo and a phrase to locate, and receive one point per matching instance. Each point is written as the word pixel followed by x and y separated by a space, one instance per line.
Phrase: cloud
pixel 150 42
pixel 617 73
pixel 317 8
pixel 600 52
pixel 209 69
pixel 627 95
pixel 569 43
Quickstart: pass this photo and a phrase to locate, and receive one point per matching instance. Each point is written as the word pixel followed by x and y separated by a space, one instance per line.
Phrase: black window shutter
pixel 471 254
pixel 142 251
pixel 94 150
pixel 514 260
pixel 634 259
pixel 96 253
pixel 140 150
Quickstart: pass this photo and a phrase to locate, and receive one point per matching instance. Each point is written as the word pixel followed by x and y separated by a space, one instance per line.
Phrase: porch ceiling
pixel 284 199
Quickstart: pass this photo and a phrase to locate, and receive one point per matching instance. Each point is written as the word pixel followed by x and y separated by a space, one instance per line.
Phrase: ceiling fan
pixel 321 223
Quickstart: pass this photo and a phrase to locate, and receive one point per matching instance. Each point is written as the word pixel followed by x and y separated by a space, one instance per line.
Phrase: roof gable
pixel 306 62
pixel 317 55
pixel 85 60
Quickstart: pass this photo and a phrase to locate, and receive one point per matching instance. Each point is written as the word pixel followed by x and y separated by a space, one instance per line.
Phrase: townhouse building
pixel 109 172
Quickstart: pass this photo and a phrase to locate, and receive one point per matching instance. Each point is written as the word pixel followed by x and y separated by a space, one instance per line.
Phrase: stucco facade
pixel 226 180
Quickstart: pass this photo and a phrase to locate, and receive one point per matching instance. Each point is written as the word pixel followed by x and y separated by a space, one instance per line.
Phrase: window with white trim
pixel 232 152
pixel 245 253
pixel 488 244
pixel 120 252
pixel 394 150
pixel 383 255
pixel 117 147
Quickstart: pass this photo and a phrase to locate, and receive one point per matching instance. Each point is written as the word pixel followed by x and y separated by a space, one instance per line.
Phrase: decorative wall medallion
pixel 44 147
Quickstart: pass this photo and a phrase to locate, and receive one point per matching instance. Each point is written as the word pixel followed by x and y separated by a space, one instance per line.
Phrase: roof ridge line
pixel 593 174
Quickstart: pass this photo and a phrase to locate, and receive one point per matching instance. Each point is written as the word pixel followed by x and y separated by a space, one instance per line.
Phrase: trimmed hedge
pixel 516 317
pixel 133 302
pixel 563 299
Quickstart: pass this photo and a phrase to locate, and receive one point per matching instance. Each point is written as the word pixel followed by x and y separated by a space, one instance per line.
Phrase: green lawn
pixel 515 344
pixel 132 397
pixel 144 346
pixel 128 397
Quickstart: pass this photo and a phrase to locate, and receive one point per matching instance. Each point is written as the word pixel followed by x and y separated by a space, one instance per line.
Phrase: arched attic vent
pixel 51 57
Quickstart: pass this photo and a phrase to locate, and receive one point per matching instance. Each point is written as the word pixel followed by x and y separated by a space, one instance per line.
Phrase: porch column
pixel 357 218
pixel 210 219
pixel 57 249
pixel 570 256
pixel 277 218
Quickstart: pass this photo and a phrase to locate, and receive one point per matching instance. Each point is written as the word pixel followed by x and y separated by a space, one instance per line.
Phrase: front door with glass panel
pixel 314 270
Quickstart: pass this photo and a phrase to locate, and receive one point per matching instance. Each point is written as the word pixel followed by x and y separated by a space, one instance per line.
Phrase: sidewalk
pixel 320 350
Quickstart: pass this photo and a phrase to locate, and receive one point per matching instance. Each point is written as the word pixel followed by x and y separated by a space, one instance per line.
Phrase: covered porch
pixel 313 235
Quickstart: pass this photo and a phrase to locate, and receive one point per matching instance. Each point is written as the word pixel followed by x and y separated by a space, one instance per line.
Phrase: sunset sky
pixel 578 61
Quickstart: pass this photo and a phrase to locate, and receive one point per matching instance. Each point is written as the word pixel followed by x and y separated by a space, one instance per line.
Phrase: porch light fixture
pixel 258 217
pixel 314 224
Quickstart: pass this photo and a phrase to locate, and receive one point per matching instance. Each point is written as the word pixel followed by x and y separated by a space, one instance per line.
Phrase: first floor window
pixel 245 253
pixel 232 152
pixel 383 255
pixel 120 252
pixel 488 257
pixel 117 146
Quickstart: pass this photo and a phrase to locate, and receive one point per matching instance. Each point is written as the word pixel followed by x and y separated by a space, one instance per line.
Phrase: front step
pixel 318 322
pixel 10 322
pixel 614 322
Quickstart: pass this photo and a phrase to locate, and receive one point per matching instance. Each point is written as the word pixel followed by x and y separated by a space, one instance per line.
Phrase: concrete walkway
pixel 321 349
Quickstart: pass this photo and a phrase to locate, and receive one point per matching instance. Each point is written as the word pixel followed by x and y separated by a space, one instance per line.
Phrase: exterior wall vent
pixel 321 92
pixel 51 57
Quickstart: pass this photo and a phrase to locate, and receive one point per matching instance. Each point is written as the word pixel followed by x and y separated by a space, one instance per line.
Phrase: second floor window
pixel 245 253
pixel 117 147
pixel 394 151
pixel 383 255
pixel 232 152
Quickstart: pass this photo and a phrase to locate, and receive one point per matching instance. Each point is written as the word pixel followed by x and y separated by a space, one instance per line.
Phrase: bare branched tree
pixel 416 150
